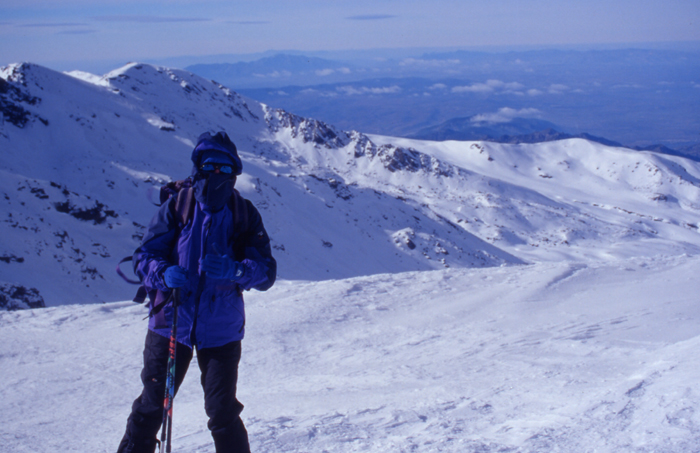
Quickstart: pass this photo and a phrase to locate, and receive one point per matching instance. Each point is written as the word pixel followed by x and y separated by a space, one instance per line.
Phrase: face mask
pixel 214 189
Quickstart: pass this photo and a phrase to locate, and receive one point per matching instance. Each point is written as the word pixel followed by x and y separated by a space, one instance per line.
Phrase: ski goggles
pixel 223 168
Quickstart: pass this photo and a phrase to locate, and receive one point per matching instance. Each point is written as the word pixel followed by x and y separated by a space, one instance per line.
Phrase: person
pixel 221 250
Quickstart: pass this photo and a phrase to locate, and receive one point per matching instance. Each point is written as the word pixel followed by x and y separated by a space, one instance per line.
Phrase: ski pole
pixel 167 428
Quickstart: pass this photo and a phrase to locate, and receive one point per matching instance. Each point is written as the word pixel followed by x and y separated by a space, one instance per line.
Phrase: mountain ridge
pixel 337 204
pixel 525 130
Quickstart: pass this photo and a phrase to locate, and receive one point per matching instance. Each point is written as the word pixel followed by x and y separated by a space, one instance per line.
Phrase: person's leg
pixel 219 368
pixel 147 411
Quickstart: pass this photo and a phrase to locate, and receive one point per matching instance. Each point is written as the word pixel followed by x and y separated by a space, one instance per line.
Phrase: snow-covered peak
pixel 13 72
pixel 81 157
pixel 88 77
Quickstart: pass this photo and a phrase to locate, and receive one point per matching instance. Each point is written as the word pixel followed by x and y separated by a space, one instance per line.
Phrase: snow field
pixel 546 357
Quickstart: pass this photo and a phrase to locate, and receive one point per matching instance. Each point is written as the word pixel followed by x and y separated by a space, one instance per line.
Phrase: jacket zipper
pixel 200 288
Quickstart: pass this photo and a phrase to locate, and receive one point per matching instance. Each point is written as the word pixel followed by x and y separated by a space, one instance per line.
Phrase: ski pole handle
pixel 176 297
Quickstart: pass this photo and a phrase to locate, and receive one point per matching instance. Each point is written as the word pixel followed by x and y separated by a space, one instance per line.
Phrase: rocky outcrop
pixel 17 297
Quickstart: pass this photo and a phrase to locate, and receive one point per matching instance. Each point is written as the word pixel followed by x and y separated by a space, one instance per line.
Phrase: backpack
pixel 184 208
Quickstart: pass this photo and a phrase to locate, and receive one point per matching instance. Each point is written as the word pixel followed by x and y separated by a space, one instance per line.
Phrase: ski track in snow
pixel 546 357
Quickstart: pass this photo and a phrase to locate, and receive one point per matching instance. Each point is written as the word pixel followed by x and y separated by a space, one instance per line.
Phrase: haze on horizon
pixel 79 34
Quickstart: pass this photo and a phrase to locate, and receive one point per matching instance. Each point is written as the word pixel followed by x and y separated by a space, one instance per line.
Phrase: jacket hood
pixel 217 142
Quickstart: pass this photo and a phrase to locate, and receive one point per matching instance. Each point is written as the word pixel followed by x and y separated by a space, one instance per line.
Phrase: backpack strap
pixel 158 301
pixel 142 291
pixel 184 205
pixel 122 275
pixel 184 201
pixel 239 208
pixel 173 188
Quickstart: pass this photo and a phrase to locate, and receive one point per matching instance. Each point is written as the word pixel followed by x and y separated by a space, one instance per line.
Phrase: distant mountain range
pixel 527 130
pixel 277 70
pixel 637 97
pixel 471 129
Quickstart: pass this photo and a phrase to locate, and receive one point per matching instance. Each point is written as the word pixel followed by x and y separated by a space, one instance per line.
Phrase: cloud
pixel 327 72
pixel 513 86
pixel 372 17
pixel 428 63
pixel 148 19
pixel 490 86
pixel 475 88
pixel 274 74
pixel 56 24
pixel 534 92
pixel 505 115
pixel 76 32
pixel 248 22
pixel 315 92
pixel 558 88
pixel 349 90
pixel 59 25
pixel 510 86
pixel 635 86
pixel 438 86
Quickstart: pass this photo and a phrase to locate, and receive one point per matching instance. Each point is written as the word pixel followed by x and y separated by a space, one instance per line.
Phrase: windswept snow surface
pixel 552 357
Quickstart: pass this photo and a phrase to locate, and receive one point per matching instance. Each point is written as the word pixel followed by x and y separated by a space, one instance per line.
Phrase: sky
pixel 56 33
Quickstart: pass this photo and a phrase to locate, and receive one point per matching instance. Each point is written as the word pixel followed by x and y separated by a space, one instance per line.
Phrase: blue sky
pixel 54 32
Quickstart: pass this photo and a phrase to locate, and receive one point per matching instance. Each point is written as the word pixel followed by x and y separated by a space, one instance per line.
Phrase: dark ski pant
pixel 219 367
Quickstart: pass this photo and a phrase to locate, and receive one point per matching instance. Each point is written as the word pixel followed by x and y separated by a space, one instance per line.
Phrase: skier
pixel 220 249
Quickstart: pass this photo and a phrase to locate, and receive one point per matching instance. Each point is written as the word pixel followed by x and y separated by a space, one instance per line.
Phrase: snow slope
pixel 556 357
pixel 81 154
pixel 97 148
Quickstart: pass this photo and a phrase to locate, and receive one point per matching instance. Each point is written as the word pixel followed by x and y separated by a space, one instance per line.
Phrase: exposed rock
pixel 17 297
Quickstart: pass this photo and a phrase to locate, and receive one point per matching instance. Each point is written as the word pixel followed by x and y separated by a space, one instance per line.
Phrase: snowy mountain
pixel 82 154
pixel 434 296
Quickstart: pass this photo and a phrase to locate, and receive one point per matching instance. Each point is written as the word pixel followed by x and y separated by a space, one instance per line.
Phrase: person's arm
pixel 260 268
pixel 152 258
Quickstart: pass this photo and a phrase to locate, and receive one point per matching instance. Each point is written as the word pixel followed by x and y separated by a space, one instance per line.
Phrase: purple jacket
pixel 212 311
